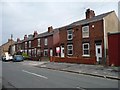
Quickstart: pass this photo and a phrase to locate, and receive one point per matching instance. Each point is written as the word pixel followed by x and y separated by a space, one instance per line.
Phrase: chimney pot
pixel 25 37
pixel 18 39
pixel 89 14
pixel 50 29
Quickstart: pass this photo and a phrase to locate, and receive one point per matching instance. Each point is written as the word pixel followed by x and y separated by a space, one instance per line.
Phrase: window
pixel 46 41
pixel 70 34
pixel 86 49
pixel 38 42
pixel 70 49
pixel 35 52
pixel 98 50
pixel 29 52
pixel 32 52
pixel 25 44
pixel 38 52
pixel 29 44
pixel 26 51
pixel 45 52
pixel 85 31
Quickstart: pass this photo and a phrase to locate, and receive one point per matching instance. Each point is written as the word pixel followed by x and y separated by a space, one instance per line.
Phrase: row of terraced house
pixel 84 41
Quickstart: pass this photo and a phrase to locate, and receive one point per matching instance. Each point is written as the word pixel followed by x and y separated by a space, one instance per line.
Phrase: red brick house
pixel 85 41
pixel 37 46
pixel 42 45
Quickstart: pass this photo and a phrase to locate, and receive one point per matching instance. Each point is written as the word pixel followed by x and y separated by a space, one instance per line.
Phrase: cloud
pixel 20 18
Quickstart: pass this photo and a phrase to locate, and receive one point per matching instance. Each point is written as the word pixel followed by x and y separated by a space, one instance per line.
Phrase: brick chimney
pixel 89 14
pixel 50 29
pixel 25 37
pixel 9 40
pixel 35 34
pixel 18 39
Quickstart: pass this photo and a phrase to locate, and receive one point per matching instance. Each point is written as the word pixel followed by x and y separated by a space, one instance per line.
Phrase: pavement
pixel 93 70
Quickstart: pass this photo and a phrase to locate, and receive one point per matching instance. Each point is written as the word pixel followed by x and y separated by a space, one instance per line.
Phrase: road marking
pixel 80 88
pixel 35 74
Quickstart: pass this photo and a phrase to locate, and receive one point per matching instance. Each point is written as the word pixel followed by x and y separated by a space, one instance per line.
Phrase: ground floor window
pixel 26 51
pixel 35 52
pixel 29 52
pixel 70 49
pixel 86 51
pixel 45 52
pixel 38 52
pixel 32 52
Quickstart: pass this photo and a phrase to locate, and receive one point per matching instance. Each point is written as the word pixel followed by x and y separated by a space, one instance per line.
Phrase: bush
pixel 25 55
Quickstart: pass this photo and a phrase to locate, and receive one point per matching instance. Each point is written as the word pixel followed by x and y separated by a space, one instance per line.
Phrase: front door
pixel 51 52
pixel 99 53
pixel 62 51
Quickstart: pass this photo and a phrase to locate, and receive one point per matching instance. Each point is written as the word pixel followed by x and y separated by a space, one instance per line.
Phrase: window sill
pixel 85 37
pixel 86 55
pixel 70 54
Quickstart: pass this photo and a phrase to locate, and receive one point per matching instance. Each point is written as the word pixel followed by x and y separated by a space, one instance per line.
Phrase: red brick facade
pixel 95 35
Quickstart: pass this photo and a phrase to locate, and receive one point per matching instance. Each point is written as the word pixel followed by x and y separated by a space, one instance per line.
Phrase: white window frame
pixel 87 55
pixel 38 52
pixel 46 42
pixel 84 31
pixel 29 44
pixel 70 34
pixel 69 49
pixel 25 44
pixel 29 52
pixel 35 51
pixel 46 51
pixel 26 51
pixel 39 42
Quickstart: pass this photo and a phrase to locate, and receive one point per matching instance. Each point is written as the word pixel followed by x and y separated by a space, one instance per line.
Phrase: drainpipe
pixel 104 42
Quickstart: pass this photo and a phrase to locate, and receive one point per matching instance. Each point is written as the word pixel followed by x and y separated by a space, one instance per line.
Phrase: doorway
pixel 99 53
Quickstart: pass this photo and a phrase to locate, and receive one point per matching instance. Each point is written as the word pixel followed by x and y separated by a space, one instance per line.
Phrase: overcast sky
pixel 20 17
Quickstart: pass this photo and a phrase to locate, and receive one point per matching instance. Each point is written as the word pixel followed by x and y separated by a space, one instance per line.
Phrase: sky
pixel 20 17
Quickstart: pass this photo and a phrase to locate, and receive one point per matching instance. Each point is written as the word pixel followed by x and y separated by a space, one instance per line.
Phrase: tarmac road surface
pixel 17 75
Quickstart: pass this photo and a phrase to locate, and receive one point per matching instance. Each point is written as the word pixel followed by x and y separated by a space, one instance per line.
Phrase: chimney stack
pixel 35 34
pixel 89 14
pixel 18 39
pixel 25 37
pixel 50 29
pixel 9 40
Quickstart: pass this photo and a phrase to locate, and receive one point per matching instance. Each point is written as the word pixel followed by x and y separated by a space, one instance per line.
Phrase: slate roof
pixel 93 19
pixel 45 34
pixel 80 22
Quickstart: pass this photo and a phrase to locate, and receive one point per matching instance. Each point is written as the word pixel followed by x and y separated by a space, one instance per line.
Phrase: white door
pixel 98 52
pixel 51 52
pixel 62 51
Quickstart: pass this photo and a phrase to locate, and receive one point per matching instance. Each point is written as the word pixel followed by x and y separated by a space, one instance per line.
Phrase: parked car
pixel 18 58
pixel 7 57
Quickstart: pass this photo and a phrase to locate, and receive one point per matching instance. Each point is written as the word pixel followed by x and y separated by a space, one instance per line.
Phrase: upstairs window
pixel 29 44
pixel 70 49
pixel 25 44
pixel 85 31
pixel 46 42
pixel 38 42
pixel 70 34
pixel 86 51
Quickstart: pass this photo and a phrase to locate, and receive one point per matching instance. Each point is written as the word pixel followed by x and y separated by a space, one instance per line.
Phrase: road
pixel 19 75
